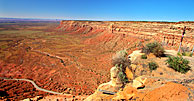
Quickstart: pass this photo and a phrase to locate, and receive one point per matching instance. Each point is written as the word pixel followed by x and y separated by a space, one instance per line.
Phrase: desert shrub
pixel 158 51
pixel 186 54
pixel 178 64
pixel 154 48
pixel 121 61
pixel 122 74
pixel 179 54
pixel 145 50
pixel 185 49
pixel 144 56
pixel 153 66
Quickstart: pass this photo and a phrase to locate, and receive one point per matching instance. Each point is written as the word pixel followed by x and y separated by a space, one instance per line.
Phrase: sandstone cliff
pixel 168 32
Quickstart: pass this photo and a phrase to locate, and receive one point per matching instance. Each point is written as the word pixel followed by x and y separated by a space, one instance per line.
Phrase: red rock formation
pixel 167 32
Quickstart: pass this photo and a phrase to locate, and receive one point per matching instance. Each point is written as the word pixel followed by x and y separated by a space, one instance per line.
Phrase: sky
pixel 108 10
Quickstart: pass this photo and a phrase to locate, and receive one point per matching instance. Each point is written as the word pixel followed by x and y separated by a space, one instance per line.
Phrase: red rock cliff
pixel 168 32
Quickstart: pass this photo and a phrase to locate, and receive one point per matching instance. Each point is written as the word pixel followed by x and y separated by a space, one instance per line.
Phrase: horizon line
pixel 61 19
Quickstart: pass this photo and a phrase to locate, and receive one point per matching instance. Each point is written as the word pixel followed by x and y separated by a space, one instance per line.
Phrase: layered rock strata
pixel 168 32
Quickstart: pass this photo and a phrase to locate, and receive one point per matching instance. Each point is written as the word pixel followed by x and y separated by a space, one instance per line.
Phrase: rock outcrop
pixel 147 87
pixel 167 32
pixel 118 89
pixel 112 86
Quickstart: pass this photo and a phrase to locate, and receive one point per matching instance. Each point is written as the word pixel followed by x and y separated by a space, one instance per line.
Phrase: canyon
pixel 168 32
pixel 74 57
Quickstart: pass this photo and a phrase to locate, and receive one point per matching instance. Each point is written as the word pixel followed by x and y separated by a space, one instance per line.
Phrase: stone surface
pixel 168 92
pixel 151 55
pixel 113 86
pixel 127 93
pixel 115 79
pixel 129 74
pixel 139 82
pixel 134 56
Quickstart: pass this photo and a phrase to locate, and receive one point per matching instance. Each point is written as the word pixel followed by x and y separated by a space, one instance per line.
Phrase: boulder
pixel 115 80
pixel 133 56
pixel 150 56
pixel 139 82
pixel 127 93
pixel 129 74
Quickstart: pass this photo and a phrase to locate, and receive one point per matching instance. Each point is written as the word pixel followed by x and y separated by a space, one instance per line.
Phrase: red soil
pixel 170 92
pixel 18 90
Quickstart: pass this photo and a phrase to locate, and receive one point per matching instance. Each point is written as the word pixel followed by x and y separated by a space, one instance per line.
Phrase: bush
pixel 154 48
pixel 158 51
pixel 145 50
pixel 178 64
pixel 121 61
pixel 185 49
pixel 144 56
pixel 122 74
pixel 153 66
pixel 179 54
pixel 186 54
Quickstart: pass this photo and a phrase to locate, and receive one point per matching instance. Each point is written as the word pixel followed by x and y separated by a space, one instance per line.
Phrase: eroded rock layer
pixel 168 32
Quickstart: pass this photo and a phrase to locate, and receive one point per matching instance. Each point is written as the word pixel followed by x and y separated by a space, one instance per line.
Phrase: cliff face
pixel 167 32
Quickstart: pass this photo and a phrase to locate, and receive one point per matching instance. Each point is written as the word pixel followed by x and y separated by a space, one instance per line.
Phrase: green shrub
pixel 145 50
pixel 153 66
pixel 122 74
pixel 144 56
pixel 158 51
pixel 179 54
pixel 186 54
pixel 178 64
pixel 154 48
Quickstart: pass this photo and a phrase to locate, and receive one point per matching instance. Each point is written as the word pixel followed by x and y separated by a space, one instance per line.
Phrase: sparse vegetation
pixel 185 51
pixel 153 66
pixel 121 61
pixel 144 56
pixel 122 74
pixel 179 54
pixel 187 54
pixel 154 48
pixel 178 64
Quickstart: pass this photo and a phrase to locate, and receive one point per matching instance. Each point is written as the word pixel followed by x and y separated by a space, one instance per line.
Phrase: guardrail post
pixel 192 51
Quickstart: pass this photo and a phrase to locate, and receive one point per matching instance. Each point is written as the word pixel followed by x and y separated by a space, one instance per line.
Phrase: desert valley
pixel 73 58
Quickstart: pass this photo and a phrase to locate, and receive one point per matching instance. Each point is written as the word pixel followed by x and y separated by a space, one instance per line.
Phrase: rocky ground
pixel 161 84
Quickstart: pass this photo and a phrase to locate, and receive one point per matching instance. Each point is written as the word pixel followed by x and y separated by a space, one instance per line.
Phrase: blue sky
pixel 138 10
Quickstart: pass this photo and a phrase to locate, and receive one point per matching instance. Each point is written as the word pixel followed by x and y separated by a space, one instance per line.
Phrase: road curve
pixel 34 84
